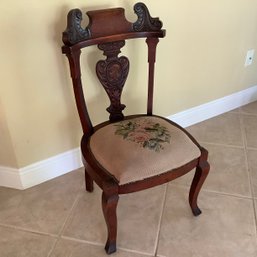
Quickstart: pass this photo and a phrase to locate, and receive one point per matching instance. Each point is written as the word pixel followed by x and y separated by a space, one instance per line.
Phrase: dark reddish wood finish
pixel 152 44
pixel 109 29
pixel 112 74
pixel 89 182
pixel 74 60
pixel 202 170
pixel 110 199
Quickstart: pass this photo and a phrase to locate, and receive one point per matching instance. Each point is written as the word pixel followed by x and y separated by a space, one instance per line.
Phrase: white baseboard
pixel 42 171
pixel 209 110
pixel 10 177
pixel 63 163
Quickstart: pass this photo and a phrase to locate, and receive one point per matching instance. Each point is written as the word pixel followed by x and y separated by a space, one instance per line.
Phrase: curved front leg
pixel 201 173
pixel 109 205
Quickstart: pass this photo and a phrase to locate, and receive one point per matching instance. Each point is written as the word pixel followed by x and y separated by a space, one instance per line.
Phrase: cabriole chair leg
pixel 109 205
pixel 201 173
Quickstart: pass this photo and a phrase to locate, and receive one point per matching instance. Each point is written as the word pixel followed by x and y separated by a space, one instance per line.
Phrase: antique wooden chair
pixel 132 153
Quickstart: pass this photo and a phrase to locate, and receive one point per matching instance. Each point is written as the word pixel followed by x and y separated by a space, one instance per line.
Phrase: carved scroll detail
pixel 74 33
pixel 145 22
pixel 112 74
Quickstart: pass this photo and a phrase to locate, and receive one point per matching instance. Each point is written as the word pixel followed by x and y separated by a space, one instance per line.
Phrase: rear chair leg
pixel 109 205
pixel 201 173
pixel 89 182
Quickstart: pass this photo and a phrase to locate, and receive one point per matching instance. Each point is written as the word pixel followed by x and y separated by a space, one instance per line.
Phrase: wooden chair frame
pixel 109 29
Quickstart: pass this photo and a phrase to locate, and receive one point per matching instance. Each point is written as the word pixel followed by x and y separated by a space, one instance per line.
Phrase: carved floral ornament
pixel 74 33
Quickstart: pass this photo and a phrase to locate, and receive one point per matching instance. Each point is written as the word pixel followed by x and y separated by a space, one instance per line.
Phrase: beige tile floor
pixel 59 219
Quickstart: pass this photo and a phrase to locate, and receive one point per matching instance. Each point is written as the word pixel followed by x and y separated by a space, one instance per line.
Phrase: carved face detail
pixel 114 72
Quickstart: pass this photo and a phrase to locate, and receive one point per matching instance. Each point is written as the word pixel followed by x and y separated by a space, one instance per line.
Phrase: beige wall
pixel 7 154
pixel 201 59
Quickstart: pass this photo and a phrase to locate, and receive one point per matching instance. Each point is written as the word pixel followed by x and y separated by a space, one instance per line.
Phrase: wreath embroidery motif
pixel 146 133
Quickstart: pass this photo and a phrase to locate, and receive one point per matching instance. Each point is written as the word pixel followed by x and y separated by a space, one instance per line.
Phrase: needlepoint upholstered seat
pixel 142 147
pixel 127 153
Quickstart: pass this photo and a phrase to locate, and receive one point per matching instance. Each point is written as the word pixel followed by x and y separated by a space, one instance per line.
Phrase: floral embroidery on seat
pixel 143 131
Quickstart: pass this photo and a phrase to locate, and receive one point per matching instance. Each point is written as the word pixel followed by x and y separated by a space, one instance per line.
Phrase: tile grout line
pixel 69 214
pixel 82 241
pixel 52 248
pixel 34 232
pixel 56 236
pixel 228 194
pixel 251 148
pixel 134 251
pixel 221 144
pixel 64 224
pixel 28 230
pixel 248 169
pixel 160 222
pixel 248 114
pixel 217 192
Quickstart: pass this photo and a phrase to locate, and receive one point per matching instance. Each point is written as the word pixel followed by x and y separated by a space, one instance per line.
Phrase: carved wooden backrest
pixel 112 74
pixel 109 29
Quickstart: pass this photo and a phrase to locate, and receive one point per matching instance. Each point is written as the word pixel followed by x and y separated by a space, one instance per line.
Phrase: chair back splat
pixel 109 29
pixel 126 154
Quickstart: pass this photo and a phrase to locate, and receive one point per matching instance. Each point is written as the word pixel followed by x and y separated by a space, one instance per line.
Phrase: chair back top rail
pixel 109 25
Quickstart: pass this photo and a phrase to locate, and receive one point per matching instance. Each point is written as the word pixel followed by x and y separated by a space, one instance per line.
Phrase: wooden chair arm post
pixel 151 43
pixel 74 61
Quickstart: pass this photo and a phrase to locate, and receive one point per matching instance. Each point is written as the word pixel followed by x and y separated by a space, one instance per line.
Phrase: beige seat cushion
pixel 141 147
